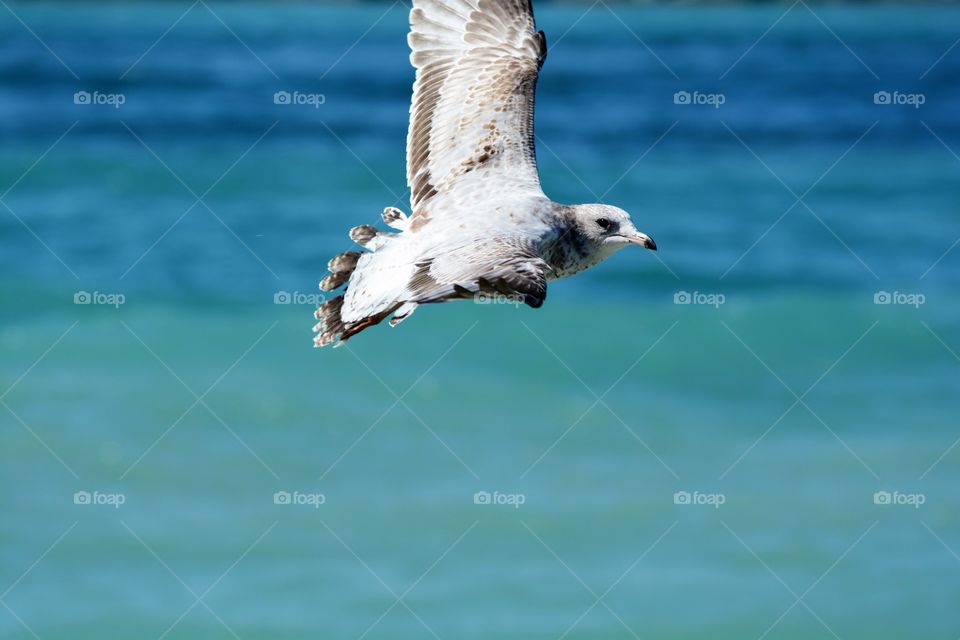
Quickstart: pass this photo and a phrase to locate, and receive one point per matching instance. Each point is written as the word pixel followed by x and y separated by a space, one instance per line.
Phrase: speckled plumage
pixel 480 222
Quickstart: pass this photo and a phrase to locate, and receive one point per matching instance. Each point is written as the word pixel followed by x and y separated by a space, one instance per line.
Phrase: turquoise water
pixel 198 398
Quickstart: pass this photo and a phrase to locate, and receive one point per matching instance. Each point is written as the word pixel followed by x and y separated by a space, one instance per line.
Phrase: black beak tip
pixel 650 244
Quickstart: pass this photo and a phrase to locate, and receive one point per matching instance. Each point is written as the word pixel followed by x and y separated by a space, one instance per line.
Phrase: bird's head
pixel 609 228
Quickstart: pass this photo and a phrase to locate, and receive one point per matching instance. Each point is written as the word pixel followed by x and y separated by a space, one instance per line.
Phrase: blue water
pixel 198 397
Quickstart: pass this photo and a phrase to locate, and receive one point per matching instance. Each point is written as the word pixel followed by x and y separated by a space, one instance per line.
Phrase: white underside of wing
pixel 472 110
pixel 474 232
pixel 379 280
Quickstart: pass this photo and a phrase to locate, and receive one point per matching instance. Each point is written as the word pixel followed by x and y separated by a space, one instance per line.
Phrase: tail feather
pixel 346 261
pixel 395 218
pixel 334 280
pixel 364 233
pixel 331 327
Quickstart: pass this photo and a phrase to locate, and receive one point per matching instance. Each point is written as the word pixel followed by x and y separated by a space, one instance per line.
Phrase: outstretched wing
pixel 486 270
pixel 472 111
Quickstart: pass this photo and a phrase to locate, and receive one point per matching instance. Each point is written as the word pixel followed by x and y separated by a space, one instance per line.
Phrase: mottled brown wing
pixel 488 270
pixel 472 110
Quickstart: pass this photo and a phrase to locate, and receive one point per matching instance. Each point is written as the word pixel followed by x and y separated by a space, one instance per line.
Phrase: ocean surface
pixel 749 434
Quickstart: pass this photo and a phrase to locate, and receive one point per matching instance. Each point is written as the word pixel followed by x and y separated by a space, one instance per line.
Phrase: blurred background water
pixel 207 206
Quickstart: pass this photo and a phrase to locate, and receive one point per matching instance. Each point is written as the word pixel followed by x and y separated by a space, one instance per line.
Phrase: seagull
pixel 480 226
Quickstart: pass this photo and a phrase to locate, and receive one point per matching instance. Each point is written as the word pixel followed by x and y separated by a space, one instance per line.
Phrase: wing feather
pixel 472 110
pixel 492 265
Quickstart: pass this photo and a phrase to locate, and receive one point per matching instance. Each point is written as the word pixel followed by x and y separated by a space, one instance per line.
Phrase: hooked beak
pixel 643 240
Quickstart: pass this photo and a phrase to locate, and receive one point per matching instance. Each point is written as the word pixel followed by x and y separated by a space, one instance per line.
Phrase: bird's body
pixel 481 225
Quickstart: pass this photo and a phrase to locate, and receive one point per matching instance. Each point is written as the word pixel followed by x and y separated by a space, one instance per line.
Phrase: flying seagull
pixel 480 224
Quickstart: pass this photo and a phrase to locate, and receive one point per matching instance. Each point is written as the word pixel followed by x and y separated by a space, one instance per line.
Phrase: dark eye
pixel 603 223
